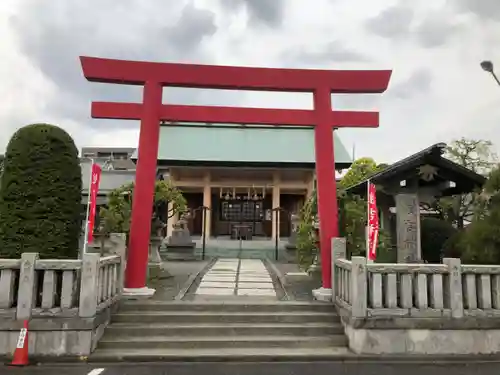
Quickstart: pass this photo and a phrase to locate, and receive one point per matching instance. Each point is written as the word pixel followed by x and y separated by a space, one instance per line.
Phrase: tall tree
pixel 354 208
pixel 478 156
pixel 480 243
pixel 117 215
pixel 360 170
pixel 352 215
pixel 40 194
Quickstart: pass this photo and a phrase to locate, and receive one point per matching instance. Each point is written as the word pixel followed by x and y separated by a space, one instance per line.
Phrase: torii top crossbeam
pixel 154 76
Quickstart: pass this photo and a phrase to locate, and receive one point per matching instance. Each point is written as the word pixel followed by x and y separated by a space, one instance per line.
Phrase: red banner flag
pixel 94 188
pixel 373 223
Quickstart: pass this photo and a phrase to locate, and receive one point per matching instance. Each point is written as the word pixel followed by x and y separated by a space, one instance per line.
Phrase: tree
pixel 360 170
pixel 435 233
pixel 476 155
pixel 307 247
pixel 353 207
pixel 40 194
pixel 116 216
pixel 352 216
pixel 479 242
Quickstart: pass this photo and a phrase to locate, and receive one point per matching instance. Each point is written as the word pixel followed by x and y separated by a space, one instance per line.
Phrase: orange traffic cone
pixel 21 352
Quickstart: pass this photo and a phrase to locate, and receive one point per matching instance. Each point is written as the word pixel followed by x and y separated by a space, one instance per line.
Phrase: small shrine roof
pixel 432 163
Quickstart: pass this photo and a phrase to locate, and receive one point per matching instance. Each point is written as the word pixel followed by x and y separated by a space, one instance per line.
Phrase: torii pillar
pixel 154 76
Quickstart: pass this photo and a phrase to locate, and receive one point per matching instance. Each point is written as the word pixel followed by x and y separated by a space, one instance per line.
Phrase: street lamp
pixel 487 66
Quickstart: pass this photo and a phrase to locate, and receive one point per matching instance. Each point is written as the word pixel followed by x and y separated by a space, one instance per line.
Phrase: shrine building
pixel 241 172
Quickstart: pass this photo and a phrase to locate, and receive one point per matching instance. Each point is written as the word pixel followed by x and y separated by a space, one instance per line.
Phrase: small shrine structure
pixel 405 185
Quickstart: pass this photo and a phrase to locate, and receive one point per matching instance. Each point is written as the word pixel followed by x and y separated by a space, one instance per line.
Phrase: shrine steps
pixel 196 331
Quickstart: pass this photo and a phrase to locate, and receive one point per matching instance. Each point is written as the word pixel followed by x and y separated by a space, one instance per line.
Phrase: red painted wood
pixel 233 78
pixel 232 115
pixel 322 83
pixel 145 176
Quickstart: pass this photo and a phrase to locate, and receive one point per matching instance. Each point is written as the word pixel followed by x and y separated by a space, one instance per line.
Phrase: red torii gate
pixel 154 76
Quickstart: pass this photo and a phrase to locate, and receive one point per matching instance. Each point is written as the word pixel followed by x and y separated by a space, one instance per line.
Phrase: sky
pixel 437 92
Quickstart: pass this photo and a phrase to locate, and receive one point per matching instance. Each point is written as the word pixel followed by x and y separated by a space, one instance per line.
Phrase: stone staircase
pixel 226 331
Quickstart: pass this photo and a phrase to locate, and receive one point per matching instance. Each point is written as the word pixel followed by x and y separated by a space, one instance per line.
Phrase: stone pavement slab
pixel 246 277
pixel 215 291
pixel 256 292
pixel 219 278
pixel 210 284
pixel 255 285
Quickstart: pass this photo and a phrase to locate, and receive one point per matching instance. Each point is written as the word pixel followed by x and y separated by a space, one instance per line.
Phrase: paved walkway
pixel 237 277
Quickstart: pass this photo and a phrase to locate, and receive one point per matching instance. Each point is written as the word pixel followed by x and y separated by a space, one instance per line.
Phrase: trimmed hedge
pixel 40 194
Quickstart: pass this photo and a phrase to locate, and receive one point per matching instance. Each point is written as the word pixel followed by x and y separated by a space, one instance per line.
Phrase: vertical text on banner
pixel 94 188
pixel 373 222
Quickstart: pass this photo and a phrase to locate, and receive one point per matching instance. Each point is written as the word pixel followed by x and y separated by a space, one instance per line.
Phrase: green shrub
pixel 40 194
pixel 434 233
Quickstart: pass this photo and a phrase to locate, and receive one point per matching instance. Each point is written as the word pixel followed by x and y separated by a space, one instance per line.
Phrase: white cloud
pixel 437 92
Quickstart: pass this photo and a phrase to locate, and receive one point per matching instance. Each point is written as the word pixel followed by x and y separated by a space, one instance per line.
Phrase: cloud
pixel 260 12
pixel 437 91
pixel 436 30
pixel 487 9
pixel 53 35
pixel 419 82
pixel 329 53
pixel 392 22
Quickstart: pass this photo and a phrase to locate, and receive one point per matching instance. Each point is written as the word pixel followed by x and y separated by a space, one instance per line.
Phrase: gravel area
pixel 297 290
pixel 181 272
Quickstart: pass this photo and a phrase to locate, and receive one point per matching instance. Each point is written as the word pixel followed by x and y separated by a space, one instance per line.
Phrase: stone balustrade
pixel 417 290
pixel 448 308
pixel 68 302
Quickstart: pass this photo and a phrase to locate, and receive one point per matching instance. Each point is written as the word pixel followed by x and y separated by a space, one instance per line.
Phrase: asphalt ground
pixel 286 368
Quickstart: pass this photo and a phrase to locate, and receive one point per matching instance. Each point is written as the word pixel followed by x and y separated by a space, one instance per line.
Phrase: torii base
pixel 138 293
pixel 323 294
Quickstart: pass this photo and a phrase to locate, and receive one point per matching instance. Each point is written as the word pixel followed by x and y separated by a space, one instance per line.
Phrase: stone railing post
pixel 27 292
pixel 89 285
pixel 359 287
pixel 119 247
pixel 454 287
pixel 338 252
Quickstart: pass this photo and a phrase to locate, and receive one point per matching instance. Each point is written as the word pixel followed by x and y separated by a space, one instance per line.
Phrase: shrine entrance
pixel 154 76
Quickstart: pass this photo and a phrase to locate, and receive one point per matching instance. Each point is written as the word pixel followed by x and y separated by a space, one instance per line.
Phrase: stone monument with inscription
pixel 408 228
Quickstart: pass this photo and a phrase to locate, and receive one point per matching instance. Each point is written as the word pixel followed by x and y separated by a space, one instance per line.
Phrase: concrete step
pixel 207 342
pixel 235 306
pixel 132 330
pixel 221 355
pixel 223 317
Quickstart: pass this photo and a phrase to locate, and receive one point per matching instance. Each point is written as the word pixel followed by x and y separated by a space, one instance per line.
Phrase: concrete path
pixel 237 277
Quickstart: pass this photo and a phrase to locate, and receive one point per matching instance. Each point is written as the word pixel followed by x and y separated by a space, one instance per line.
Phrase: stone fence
pixel 68 302
pixel 448 308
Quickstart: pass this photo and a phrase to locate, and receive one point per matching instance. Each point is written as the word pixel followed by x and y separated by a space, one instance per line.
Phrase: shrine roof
pixel 251 145
pixel 465 179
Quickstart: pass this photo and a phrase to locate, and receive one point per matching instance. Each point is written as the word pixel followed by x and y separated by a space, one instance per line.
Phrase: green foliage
pixel 434 233
pixel 307 248
pixel 354 209
pixel 40 194
pixel 352 218
pixel 360 170
pixel 480 241
pixel 116 216
pixel 476 155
